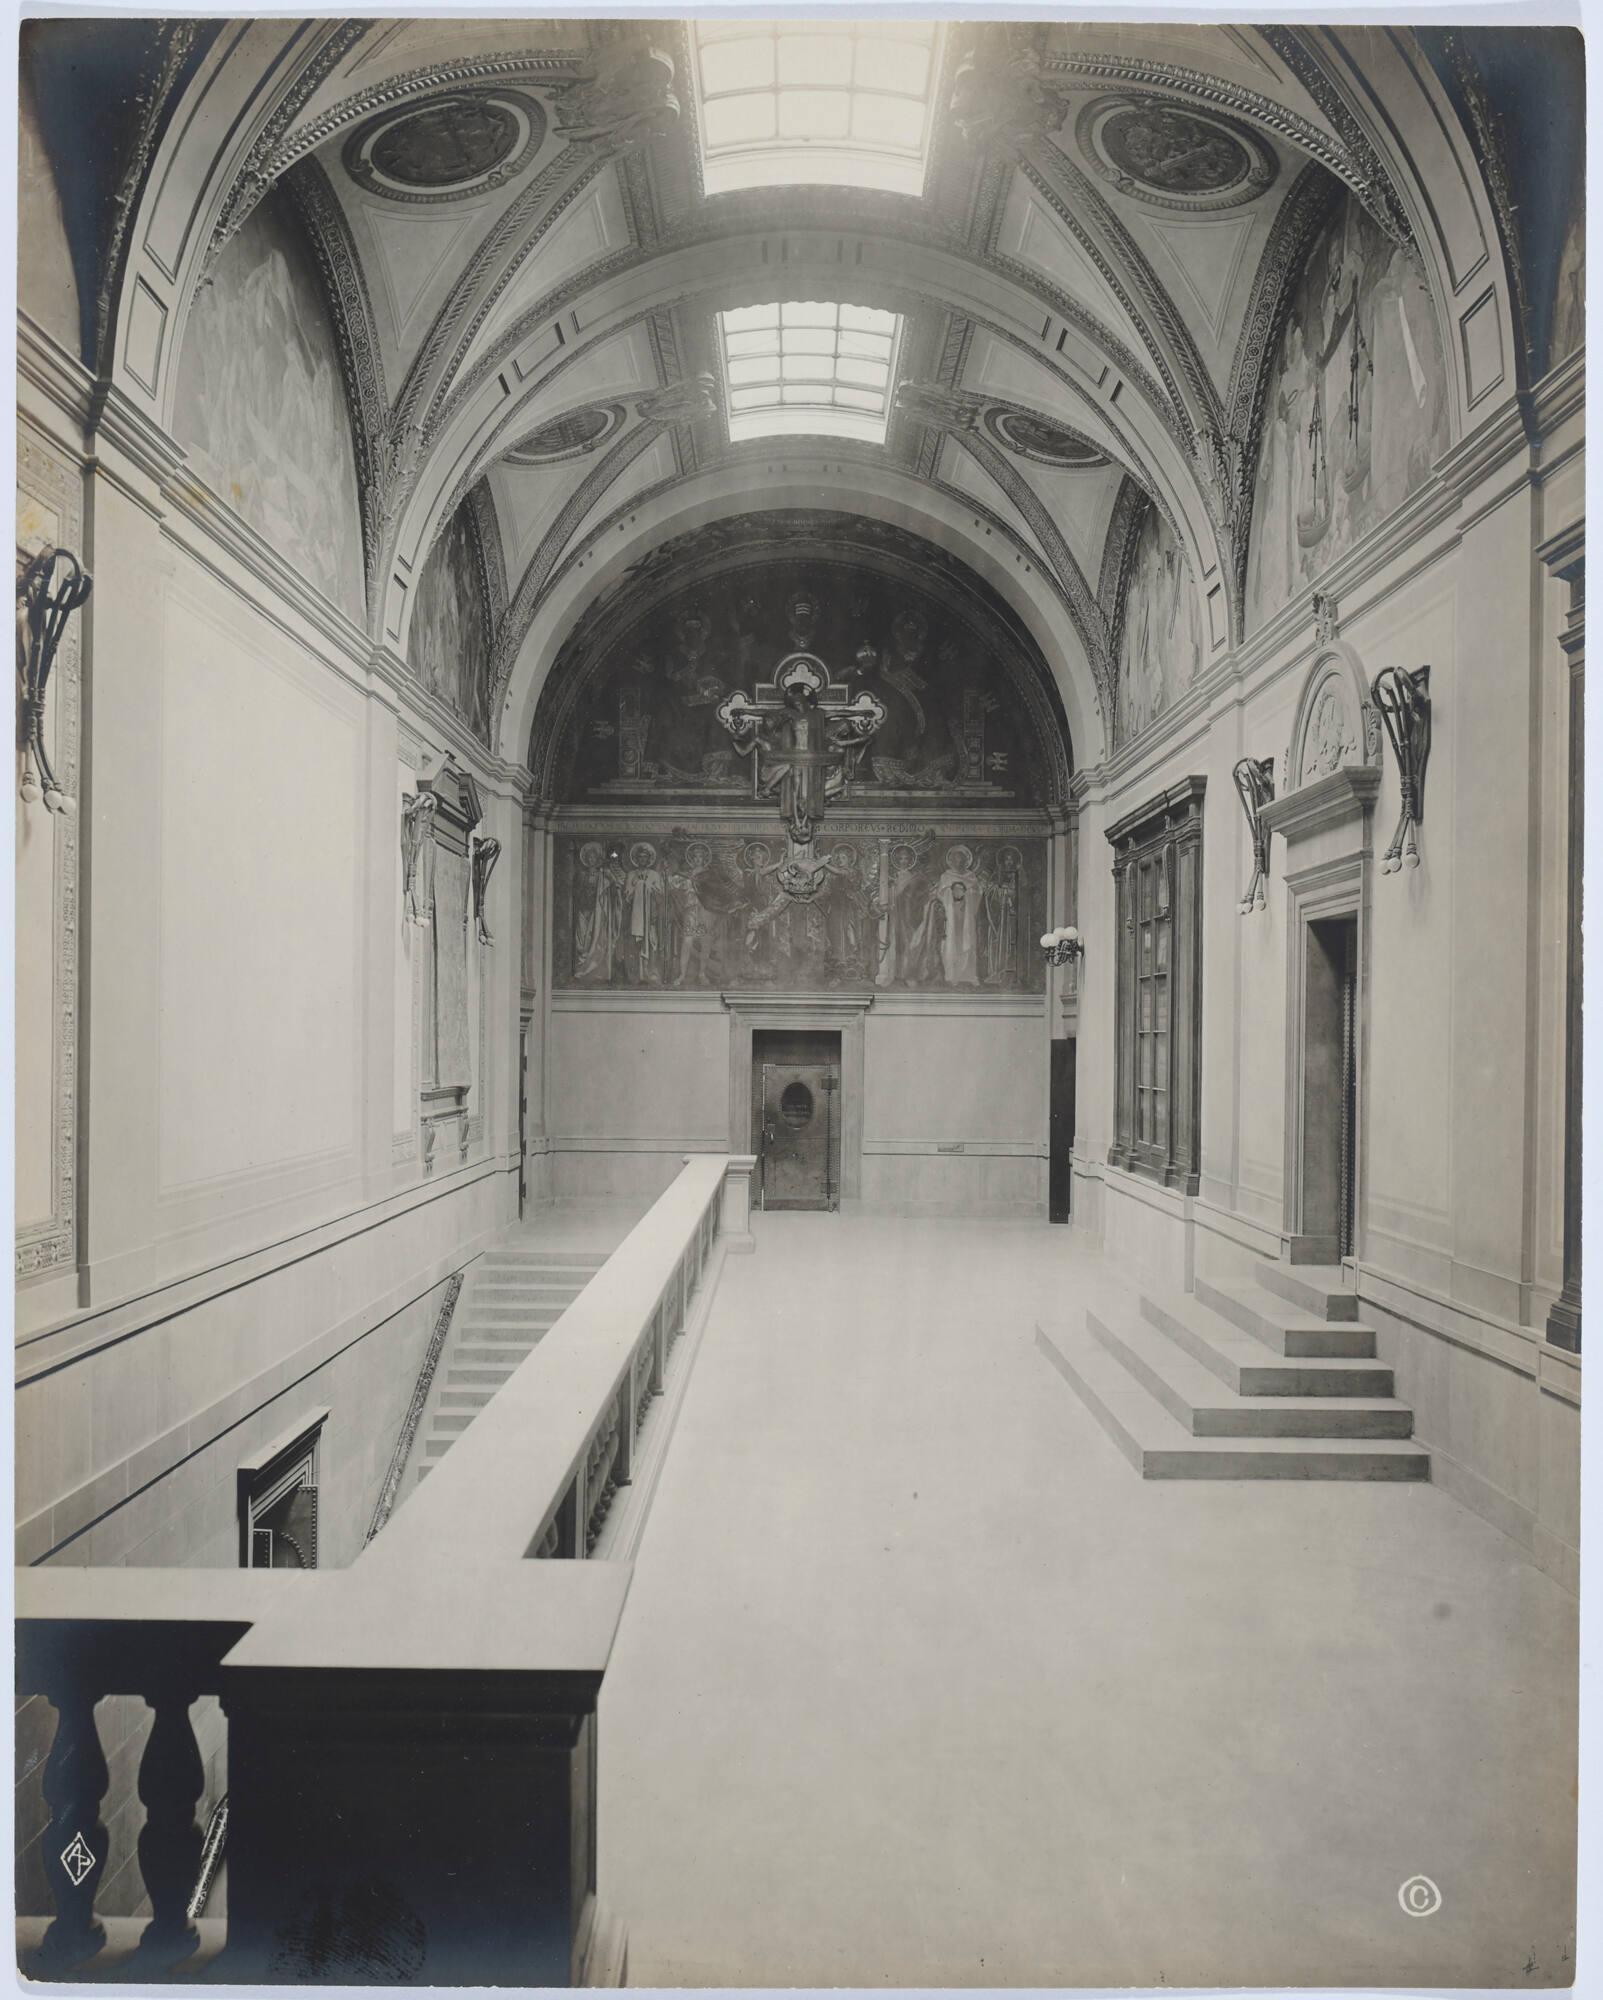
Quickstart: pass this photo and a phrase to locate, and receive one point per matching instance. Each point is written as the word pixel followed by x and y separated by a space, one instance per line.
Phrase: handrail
pixel 501 1486
pixel 442 1641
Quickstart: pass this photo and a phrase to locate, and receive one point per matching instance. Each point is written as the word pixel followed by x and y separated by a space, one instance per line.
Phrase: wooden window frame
pixel 1157 874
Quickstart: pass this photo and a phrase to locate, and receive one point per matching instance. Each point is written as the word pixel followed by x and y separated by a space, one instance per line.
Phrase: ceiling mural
pixel 1160 634
pixel 1162 152
pixel 447 147
pixel 971 716
pixel 647 722
pixel 261 407
pixel 1356 410
pixel 448 644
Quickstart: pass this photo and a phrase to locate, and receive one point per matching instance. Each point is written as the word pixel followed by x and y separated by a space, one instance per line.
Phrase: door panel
pixel 798 1119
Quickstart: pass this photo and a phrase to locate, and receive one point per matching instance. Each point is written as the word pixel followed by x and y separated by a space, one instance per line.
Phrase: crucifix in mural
pixel 805 734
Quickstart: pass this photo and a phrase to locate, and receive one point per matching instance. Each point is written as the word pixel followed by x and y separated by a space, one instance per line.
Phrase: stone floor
pixel 920 1684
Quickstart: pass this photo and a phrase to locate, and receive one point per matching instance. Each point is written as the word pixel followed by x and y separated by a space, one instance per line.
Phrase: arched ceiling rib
pixel 1091 284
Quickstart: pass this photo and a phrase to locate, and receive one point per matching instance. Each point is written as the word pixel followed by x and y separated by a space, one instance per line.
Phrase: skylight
pixel 828 103
pixel 808 369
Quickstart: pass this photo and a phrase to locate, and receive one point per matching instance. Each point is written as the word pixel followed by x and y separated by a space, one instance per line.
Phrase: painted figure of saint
pixel 1002 966
pixel 947 943
pixel 598 907
pixel 645 907
pixel 898 905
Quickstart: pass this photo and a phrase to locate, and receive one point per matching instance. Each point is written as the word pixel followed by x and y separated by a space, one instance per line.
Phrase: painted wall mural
pixel 925 910
pixel 448 643
pixel 1160 642
pixel 1356 412
pixel 958 727
pixel 261 406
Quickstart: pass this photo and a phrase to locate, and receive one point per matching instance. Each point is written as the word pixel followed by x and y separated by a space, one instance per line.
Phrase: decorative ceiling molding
pixel 1361 167
pixel 1350 157
pixel 267 161
pixel 1491 149
pixel 1243 166
pixel 1084 610
pixel 492 555
pixel 1018 429
pixel 177 41
pixel 514 627
pixel 1130 504
pixel 273 152
pixel 1084 199
pixel 350 311
pixel 488 273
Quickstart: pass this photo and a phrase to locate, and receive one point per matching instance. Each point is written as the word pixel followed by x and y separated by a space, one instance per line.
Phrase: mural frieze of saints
pixel 644 722
pixel 921 910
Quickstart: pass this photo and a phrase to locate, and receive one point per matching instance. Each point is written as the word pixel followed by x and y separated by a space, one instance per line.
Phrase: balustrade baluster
pixel 76 1843
pixel 171 1779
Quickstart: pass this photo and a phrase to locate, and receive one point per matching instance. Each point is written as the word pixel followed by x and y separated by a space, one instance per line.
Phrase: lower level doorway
pixel 796 1117
pixel 1329 1089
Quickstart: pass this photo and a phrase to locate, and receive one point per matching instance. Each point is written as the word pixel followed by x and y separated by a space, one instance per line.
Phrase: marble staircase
pixel 1272 1379
pixel 512 1297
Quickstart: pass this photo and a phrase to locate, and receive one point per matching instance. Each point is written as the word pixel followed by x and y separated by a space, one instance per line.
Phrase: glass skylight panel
pixel 808 367
pixel 833 104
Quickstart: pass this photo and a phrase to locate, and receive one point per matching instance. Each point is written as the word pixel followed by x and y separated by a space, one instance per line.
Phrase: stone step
pixel 529 1331
pixel 435 1447
pixel 475 1356
pixel 1278 1324
pixel 1240 1362
pixel 473 1398
pixel 1159 1448
pixel 512 1287
pixel 494 1314
pixel 1320 1289
pixel 1201 1404
pixel 451 1423
pixel 588 1261
pixel 476 1378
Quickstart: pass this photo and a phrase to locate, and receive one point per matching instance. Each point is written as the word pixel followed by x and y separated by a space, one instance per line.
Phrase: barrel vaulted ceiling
pixel 526 275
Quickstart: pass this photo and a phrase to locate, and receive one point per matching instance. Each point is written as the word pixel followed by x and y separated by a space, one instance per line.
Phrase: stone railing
pixel 412 1740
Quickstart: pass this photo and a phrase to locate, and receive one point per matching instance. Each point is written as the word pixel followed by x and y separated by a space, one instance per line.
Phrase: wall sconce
pixel 486 853
pixel 42 614
pixel 1403 700
pixel 1064 946
pixel 1255 782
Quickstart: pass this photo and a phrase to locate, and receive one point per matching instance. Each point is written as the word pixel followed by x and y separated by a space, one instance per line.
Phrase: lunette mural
pixel 1356 412
pixel 448 643
pixel 261 406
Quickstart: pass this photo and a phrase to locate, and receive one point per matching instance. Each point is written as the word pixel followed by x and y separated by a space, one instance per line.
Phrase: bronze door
pixel 799 1111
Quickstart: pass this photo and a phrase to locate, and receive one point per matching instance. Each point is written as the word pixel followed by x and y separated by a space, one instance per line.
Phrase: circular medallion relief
pixel 1041 439
pixel 1173 156
pixel 568 436
pixel 447 147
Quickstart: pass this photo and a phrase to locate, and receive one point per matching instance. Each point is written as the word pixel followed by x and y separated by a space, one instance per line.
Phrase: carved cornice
pixel 1358 164
pixel 275 153
pixel 1491 154
pixel 267 159
pixel 1118 559
pixel 350 311
pixel 177 40
pixel 492 555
